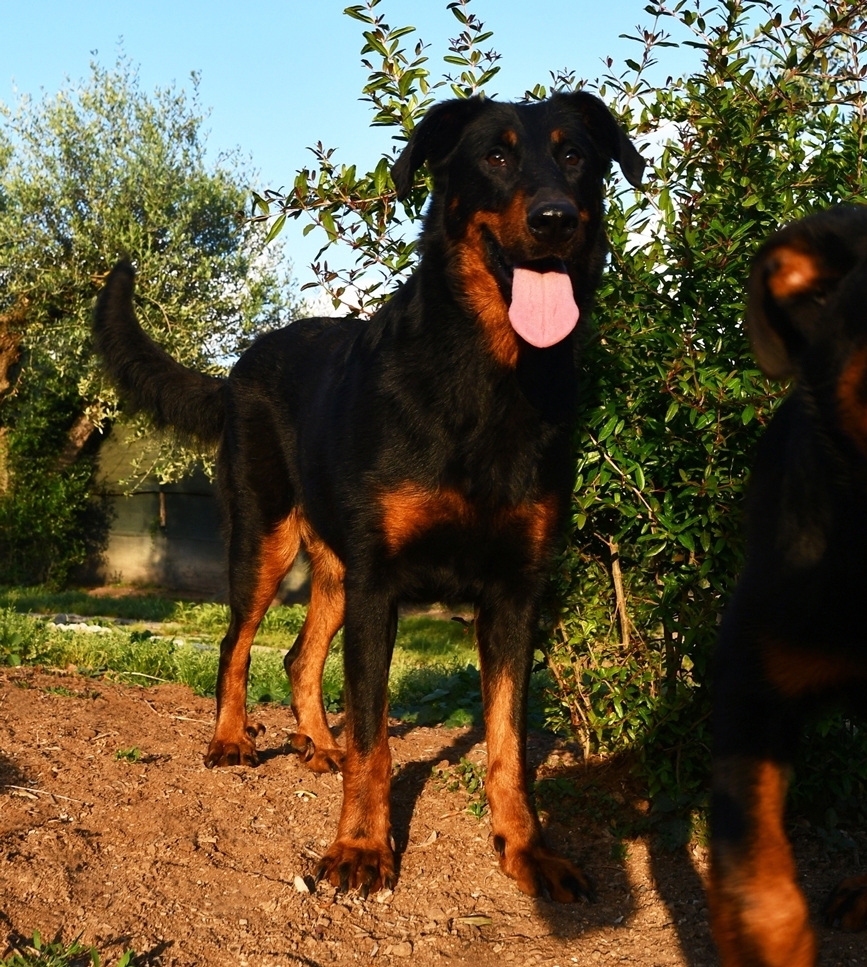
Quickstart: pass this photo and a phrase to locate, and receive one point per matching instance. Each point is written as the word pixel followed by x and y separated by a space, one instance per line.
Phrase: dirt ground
pixel 195 867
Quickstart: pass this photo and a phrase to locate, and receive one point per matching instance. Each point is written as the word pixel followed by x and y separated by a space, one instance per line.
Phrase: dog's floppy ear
pixel 792 277
pixel 608 134
pixel 433 139
pixel 780 274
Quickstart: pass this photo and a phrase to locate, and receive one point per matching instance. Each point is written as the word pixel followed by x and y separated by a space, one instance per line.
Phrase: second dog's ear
pixel 433 139
pixel 780 274
pixel 793 276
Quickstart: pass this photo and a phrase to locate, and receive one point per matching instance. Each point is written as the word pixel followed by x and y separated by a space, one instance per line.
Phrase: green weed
pixel 69 692
pixel 37 953
pixel 40 600
pixel 128 755
pixel 22 641
pixel 431 680
pixel 469 776
pixel 279 627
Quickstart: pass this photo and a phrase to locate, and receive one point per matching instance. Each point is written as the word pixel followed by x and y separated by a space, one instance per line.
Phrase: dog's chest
pixel 445 523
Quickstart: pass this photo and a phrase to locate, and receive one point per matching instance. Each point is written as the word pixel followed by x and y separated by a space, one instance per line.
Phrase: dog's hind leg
pixel 257 566
pixel 313 741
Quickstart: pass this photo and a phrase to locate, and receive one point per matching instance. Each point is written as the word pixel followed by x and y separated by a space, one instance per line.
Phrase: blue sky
pixel 279 75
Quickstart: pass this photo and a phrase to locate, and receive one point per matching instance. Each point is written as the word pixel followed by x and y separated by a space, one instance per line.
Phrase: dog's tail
pixel 146 377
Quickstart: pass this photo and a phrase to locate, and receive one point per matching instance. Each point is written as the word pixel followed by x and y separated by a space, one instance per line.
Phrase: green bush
pixel 49 518
pixel 770 128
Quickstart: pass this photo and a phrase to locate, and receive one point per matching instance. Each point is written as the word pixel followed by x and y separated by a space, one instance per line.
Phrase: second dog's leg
pixel 758 913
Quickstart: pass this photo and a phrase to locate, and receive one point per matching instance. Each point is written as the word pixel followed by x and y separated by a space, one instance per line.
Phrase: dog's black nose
pixel 553 221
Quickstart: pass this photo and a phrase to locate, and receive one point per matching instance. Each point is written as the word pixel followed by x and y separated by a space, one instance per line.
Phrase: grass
pixel 434 674
pixel 133 754
pixel 204 620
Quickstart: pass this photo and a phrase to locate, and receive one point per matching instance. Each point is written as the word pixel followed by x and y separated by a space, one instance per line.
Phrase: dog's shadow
pixel 672 872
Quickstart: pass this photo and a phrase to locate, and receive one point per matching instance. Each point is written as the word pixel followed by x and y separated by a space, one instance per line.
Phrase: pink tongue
pixel 543 309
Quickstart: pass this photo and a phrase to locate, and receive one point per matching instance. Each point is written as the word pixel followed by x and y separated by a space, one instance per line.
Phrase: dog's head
pixel 807 309
pixel 517 207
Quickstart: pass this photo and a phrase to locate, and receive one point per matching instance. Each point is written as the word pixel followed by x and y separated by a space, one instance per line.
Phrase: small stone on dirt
pixel 399 949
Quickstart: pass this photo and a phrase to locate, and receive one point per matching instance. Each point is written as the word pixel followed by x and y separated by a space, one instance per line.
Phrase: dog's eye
pixel 572 157
pixel 497 158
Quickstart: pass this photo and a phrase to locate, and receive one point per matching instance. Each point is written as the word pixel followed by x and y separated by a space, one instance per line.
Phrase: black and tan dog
pixel 423 455
pixel 795 631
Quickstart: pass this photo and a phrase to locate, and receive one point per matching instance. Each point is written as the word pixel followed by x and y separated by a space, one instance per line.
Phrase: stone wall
pixel 166 535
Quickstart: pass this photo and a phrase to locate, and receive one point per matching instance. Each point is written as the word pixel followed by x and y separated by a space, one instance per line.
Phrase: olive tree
pixel 99 170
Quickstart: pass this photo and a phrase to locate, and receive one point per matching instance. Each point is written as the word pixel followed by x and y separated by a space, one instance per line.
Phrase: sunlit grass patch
pixel 434 674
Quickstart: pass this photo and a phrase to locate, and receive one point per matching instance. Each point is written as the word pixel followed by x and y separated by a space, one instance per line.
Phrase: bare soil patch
pixel 197 867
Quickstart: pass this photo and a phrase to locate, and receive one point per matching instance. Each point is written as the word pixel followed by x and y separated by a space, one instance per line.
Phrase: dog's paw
pixel 846 907
pixel 540 871
pixel 237 750
pixel 324 759
pixel 358 864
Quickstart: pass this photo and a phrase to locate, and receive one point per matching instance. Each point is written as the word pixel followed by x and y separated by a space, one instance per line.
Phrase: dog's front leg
pixel 758 913
pixel 361 857
pixel 506 632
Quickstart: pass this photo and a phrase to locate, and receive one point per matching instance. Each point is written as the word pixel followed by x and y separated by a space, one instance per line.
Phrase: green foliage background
pixel 769 127
pixel 98 171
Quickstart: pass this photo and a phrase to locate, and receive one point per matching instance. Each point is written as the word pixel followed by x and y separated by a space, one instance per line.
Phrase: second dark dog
pixel 794 633
pixel 424 454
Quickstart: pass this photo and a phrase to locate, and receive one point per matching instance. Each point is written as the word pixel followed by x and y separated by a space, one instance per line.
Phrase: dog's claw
pixel 541 872
pixel 358 865
pixel 318 759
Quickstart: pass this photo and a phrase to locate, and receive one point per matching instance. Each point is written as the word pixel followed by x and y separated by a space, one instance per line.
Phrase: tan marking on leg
pixel 314 741
pixel 758 913
pixel 506 782
pixel 234 736
pixel 539 518
pixel 516 831
pixel 361 856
